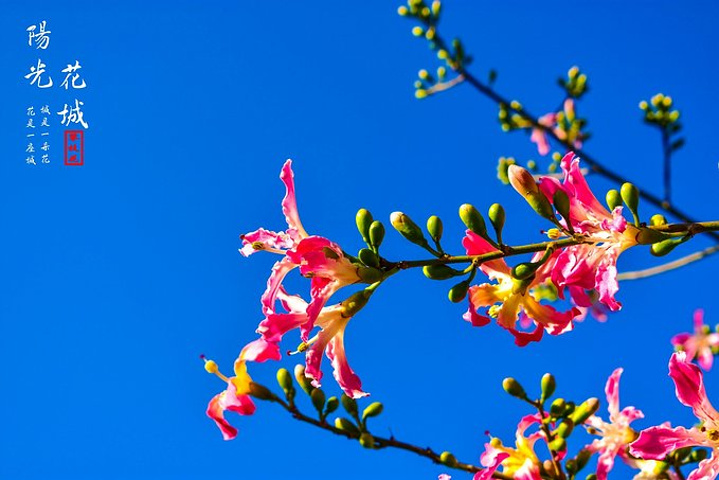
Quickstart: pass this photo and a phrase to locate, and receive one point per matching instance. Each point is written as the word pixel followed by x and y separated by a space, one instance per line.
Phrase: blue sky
pixel 116 275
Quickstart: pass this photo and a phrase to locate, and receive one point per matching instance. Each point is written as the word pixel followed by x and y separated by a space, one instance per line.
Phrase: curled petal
pixel 522 339
pixel 476 245
pixel 491 459
pixel 289 203
pixel 314 353
pixel 477 298
pixel 217 413
pixel 274 283
pixel 655 443
pixel 276 325
pixel 261 350
pixel 612 392
pixel 708 469
pixel 689 383
pixel 262 239
pixel 606 461
pixel 345 376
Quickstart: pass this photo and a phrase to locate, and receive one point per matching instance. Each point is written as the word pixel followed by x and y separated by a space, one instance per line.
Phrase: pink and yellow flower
pixel 234 398
pixel 701 344
pixel 508 297
pixel 319 259
pixel 616 434
pixel 592 265
pixel 519 462
pixel 655 443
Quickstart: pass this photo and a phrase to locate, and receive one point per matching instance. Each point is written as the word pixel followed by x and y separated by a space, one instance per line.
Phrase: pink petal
pixel 698 320
pixel 276 325
pixel 689 383
pixel 606 461
pixel 655 443
pixel 491 459
pixel 279 272
pixel 280 241
pixel 476 245
pixel 708 469
pixel 540 138
pixel 706 358
pixel 289 203
pixel 345 376
pixel 680 339
pixel 260 350
pixel 522 339
pixel 471 315
pixel 612 391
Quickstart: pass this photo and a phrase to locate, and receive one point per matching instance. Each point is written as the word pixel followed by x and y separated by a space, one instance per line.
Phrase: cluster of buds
pixel 659 112
pixel 575 85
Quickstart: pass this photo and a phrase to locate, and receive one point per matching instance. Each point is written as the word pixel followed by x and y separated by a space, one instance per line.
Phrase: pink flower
pixel 318 258
pixel 589 266
pixel 616 434
pixel 539 135
pixel 235 398
pixel 655 443
pixel 562 125
pixel 506 298
pixel 701 344
pixel 520 462
pixel 332 321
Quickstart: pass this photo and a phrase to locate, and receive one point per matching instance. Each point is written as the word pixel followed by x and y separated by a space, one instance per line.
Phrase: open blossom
pixel 318 258
pixel 509 297
pixel 558 123
pixel 700 344
pixel 655 443
pixel 520 462
pixel 234 398
pixel 589 266
pixel 616 434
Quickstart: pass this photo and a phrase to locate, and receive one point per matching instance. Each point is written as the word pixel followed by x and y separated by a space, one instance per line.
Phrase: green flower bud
pixel 402 11
pixel 697 455
pixel 584 411
pixel 630 195
pixel 561 203
pixel 366 440
pixel 303 381
pixel 663 248
pixel 448 459
pixel 614 199
pixel 549 384
pixel 658 220
pixel 565 428
pixel 513 387
pixel 420 93
pixel 349 404
pixel 523 271
pixel 582 458
pixel 409 230
pixel 333 404
pixel 524 183
pixel 557 407
pixel 591 476
pixel 318 399
pixel 457 293
pixel 558 444
pixel 363 220
pixel 473 219
pixel 376 233
pixel 284 379
pixel 372 410
pixel 439 272
pixel 369 274
pixel 346 425
pixel 497 217
pixel 260 391
pixel 435 228
pixel 368 257
pixel 354 303
pixel 417 31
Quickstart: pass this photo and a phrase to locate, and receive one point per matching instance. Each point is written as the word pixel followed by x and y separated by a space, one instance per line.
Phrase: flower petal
pixel 655 443
pixel 689 383
pixel 345 376
pixel 289 203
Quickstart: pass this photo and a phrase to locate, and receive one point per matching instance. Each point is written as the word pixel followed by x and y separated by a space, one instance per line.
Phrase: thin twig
pixel 669 266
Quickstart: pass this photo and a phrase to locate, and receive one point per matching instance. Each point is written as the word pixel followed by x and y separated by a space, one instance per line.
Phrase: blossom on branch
pixel 655 443
pixel 616 434
pixel 520 462
pixel 701 344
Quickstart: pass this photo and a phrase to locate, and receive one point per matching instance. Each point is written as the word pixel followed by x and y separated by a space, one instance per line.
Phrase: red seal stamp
pixel 74 147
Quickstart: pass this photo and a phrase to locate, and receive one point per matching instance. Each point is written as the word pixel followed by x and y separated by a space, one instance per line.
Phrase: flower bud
pixel 409 230
pixel 363 220
pixel 260 391
pixel 561 204
pixel 663 248
pixel 368 257
pixel 512 387
pixel 349 404
pixel 558 444
pixel 369 274
pixel 571 466
pixel 354 303
pixel 448 459
pixel 658 220
pixel 565 428
pixel 582 458
pixel 630 195
pixel 614 199
pixel 497 217
pixel 417 31
pixel 585 410
pixel 303 381
pixel 648 236
pixel 548 384
pixel 524 183
pixel 557 407
pixel 373 409
pixel 697 455
pixel 457 293
pixel 439 272
pixel 591 476
pixel 284 379
pixel 346 425
pixel 523 271
pixel 376 233
pixel 366 440
pixel 435 228
pixel 473 219
pixel 318 399
pixel 333 404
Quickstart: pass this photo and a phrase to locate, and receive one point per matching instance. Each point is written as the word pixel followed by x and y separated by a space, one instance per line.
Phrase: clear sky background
pixel 116 275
